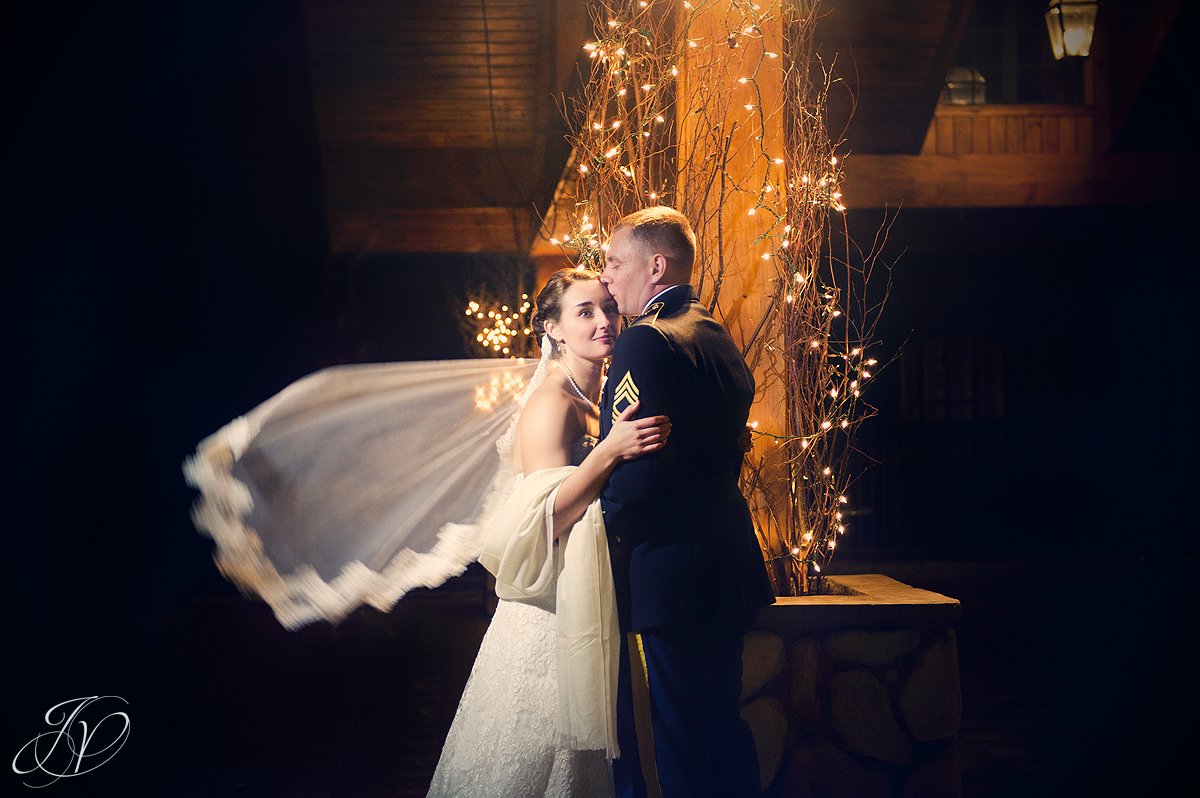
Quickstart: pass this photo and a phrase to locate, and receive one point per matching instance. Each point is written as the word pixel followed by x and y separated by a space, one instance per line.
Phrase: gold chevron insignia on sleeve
pixel 627 392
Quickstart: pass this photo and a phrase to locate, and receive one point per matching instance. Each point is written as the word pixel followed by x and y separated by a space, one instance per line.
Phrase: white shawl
pixel 520 551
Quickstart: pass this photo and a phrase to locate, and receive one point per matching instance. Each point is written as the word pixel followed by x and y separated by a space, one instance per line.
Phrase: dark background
pixel 170 269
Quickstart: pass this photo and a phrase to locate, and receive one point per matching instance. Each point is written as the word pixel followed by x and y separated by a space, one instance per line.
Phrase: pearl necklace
pixel 567 373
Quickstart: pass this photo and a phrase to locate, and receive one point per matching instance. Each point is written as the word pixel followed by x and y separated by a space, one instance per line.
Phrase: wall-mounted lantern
pixel 964 87
pixel 1071 24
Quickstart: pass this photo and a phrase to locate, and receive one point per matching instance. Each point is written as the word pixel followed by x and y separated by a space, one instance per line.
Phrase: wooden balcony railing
pixel 1011 129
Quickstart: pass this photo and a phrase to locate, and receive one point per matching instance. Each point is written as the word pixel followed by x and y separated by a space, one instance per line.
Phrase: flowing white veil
pixel 356 484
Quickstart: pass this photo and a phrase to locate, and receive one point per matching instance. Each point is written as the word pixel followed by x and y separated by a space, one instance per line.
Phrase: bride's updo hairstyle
pixel 548 305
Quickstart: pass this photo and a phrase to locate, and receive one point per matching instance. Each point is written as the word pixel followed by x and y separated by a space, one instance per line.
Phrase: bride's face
pixel 589 321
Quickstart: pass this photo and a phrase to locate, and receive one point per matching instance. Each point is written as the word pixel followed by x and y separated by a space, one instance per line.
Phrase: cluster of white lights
pixel 501 325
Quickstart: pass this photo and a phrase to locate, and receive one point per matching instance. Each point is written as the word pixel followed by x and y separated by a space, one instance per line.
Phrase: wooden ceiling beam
pixel 1022 180
pixel 463 230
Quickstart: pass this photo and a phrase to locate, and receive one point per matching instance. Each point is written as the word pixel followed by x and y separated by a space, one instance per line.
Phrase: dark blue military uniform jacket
pixel 680 536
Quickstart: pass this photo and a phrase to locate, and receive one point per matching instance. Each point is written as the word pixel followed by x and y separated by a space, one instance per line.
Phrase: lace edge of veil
pixel 303 597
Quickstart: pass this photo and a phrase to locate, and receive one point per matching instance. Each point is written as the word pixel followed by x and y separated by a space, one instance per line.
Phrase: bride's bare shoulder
pixel 548 425
pixel 549 406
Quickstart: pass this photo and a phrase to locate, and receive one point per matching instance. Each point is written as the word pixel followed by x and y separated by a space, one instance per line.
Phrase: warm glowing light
pixel 826 424
pixel 766 256
pixel 749 106
pixel 790 299
pixel 751 212
pixel 743 80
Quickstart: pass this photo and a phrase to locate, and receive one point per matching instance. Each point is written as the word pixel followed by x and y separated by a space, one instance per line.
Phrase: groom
pixel 687 567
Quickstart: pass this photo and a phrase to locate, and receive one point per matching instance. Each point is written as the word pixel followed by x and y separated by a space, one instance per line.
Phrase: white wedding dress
pixel 503 742
pixel 358 483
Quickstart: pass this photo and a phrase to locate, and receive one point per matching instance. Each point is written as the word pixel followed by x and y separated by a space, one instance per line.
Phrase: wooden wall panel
pixel 417 74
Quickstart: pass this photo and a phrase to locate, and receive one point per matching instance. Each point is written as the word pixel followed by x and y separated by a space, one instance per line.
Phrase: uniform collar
pixel 670 297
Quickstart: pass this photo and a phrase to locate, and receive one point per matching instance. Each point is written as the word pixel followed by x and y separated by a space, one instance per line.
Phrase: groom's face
pixel 627 272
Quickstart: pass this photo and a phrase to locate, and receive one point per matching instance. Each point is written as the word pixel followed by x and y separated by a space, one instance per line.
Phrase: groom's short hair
pixel 665 230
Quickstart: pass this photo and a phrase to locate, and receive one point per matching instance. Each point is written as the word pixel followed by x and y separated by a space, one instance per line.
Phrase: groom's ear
pixel 658 266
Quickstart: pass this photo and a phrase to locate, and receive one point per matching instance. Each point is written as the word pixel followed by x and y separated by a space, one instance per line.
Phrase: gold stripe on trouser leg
pixel 641 714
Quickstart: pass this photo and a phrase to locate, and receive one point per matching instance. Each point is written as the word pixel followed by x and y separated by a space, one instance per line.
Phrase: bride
pixel 359 483
pixel 535 664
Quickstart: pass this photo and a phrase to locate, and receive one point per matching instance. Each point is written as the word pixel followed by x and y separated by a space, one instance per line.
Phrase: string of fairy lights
pixel 670 88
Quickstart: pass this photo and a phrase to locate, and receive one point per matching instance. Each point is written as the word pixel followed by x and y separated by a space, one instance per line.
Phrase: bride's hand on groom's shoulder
pixel 633 437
